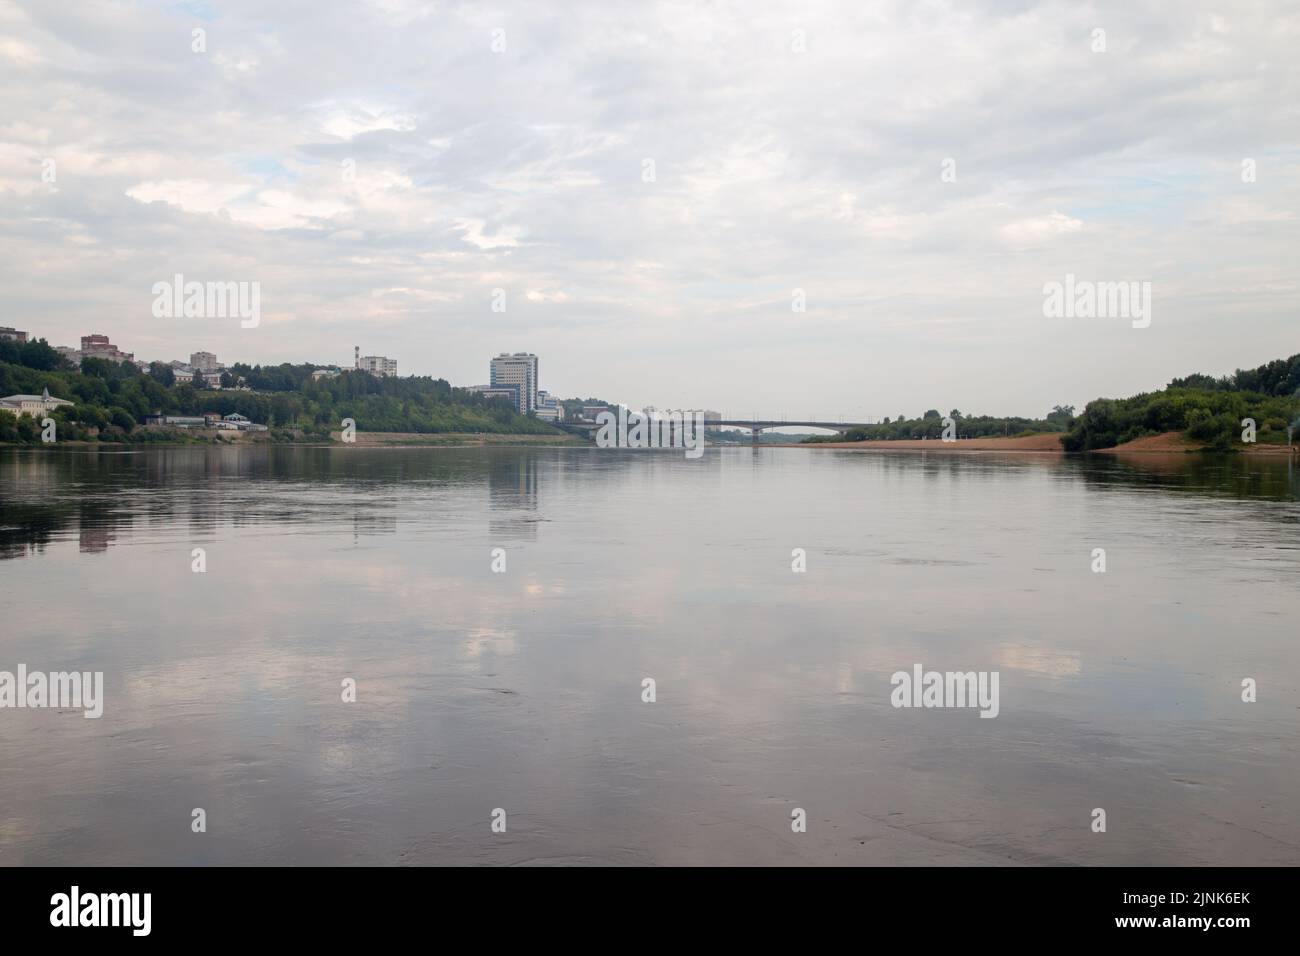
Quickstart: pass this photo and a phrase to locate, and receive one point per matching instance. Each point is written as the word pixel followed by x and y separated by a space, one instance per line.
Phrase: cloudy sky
pixel 648 183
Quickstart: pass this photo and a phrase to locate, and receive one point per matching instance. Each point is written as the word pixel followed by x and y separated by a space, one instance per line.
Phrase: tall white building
pixel 520 371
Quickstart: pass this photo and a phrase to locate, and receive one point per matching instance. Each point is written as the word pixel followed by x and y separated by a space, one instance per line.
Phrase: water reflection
pixel 47 495
pixel 1237 476
pixel 523 689
pixel 512 483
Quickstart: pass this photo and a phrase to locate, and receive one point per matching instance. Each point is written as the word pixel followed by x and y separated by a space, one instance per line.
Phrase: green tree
pixel 121 418
pixel 162 373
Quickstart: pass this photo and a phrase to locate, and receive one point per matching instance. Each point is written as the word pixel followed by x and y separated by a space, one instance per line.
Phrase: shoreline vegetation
pixel 111 400
pixel 1175 443
pixel 1198 413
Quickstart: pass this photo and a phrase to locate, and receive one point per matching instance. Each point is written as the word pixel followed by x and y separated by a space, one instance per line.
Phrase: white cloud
pixel 1038 229
pixel 546 295
pixel 469 171
pixel 476 232
pixel 191 195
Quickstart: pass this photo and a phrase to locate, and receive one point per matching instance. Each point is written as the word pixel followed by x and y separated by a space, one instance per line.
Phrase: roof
pixel 16 399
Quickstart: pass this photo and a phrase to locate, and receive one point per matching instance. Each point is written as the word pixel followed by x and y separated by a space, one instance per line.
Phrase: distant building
pixel 206 362
pixel 519 369
pixel 242 423
pixel 509 392
pixel 687 414
pixel 12 335
pixel 321 373
pixel 179 421
pixel 709 415
pixel 589 412
pixel 232 422
pixel 549 408
pixel 378 365
pixel 32 404
pixel 185 373
pixel 98 346
pixel 374 364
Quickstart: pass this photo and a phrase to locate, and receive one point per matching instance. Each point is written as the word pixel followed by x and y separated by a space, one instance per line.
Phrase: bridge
pixel 754 426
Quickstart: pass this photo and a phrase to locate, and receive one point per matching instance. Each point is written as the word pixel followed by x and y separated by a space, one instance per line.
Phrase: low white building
pixel 32 404
pixel 185 373
pixel 549 408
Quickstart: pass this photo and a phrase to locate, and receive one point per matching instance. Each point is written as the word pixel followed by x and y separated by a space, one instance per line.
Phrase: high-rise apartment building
pixel 204 361
pixel 520 370
pixel 374 364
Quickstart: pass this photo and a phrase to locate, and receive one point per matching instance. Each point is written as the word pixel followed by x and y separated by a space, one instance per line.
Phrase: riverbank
pixel 458 439
pixel 1178 442
pixel 203 438
pixel 1050 443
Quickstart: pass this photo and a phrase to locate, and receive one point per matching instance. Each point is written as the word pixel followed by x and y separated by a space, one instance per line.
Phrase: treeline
pixel 931 425
pixel 114 399
pixel 573 406
pixel 1207 409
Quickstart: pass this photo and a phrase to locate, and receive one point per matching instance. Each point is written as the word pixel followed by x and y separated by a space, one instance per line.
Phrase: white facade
pixel 549 408
pixel 377 365
pixel 31 404
pixel 185 373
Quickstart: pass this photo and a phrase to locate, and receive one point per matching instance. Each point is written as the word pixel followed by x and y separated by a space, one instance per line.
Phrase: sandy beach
pixel 1164 444
pixel 1049 443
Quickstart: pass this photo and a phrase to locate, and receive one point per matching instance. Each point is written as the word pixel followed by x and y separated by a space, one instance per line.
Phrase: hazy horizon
pixel 381 169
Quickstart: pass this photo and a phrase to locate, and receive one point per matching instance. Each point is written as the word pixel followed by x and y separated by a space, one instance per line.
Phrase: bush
pixel 121 418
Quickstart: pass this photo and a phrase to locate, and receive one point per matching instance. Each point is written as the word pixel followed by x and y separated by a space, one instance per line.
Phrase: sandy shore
pixel 1168 443
pixel 1050 444
pixel 1179 443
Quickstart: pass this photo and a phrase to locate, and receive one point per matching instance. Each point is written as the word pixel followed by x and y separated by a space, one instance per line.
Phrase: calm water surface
pixel 522 690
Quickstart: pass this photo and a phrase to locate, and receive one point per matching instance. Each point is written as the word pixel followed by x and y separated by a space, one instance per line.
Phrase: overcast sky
pixel 379 168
